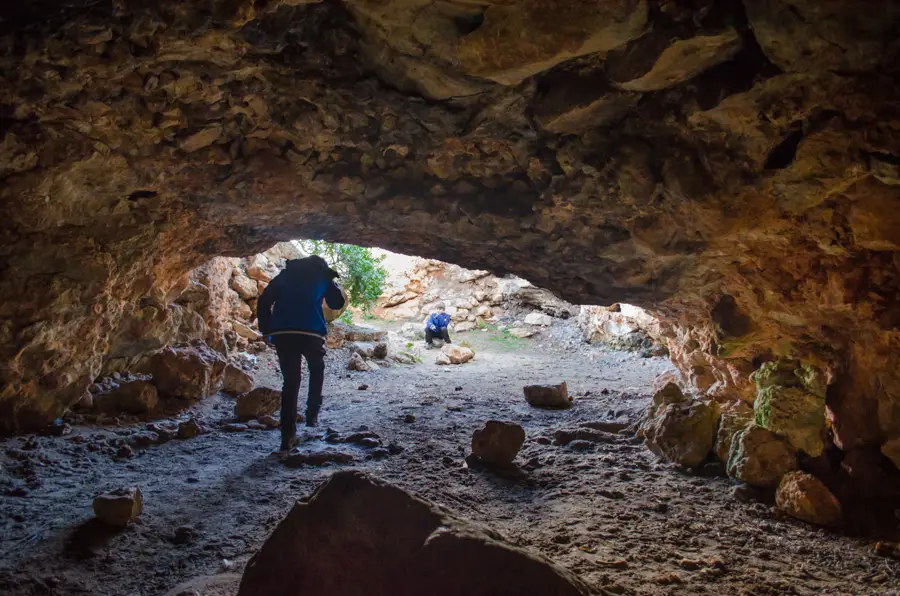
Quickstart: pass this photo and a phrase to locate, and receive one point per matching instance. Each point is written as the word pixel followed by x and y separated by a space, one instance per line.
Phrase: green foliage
pixel 362 274
pixel 346 317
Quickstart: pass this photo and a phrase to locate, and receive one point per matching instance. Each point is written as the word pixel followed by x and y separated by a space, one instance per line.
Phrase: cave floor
pixel 612 512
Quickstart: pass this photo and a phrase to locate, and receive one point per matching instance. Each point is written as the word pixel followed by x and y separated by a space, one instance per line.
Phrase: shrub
pixel 362 273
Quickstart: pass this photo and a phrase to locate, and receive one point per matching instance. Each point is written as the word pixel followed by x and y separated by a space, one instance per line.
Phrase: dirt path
pixel 610 512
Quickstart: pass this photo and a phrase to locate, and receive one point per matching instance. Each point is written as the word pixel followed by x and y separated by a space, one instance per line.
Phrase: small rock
pixel 269 421
pixel 259 402
pixel 237 380
pixel 363 387
pixel 538 318
pixel 183 535
pixel 357 363
pixel 409 419
pixel 498 442
pixel 369 442
pixel 581 445
pixel 454 354
pixel 380 351
pixel 803 496
pixel 256 425
pixel 189 429
pixel 548 396
pixel 234 427
pixel 119 507
pixel 143 439
pixel 522 332
pixel 131 397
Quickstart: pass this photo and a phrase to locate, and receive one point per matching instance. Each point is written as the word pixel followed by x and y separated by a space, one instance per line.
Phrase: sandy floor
pixel 610 512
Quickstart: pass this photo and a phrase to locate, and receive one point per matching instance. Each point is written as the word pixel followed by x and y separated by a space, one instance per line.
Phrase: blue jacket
pixel 293 300
pixel 438 321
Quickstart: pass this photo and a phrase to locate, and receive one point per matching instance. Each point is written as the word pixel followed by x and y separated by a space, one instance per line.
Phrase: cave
pixel 731 167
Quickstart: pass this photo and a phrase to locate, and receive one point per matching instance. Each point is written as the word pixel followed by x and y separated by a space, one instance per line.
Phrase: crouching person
pixel 290 315
pixel 437 325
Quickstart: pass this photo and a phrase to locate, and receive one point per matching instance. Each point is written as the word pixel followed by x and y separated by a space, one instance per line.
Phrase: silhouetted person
pixel 437 325
pixel 290 315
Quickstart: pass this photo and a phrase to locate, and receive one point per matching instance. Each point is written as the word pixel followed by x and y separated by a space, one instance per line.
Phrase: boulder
pixel 245 287
pixel 522 332
pixel 793 413
pixel 339 333
pixel 189 429
pixel 684 432
pixel 453 354
pixel 130 397
pixel 412 331
pixel 259 402
pixel 735 417
pixel 803 496
pixel 188 372
pixel 236 380
pixel 498 442
pixel 357 363
pixel 538 318
pixel 669 394
pixel 464 327
pixel 119 507
pixel 548 396
pixel 381 350
pixel 760 457
pixel 891 449
pixel 355 526
pixel 368 349
pixel 245 331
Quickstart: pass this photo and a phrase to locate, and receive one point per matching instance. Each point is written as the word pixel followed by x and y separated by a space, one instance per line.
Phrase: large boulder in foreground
pixel 358 536
pixel 760 457
pixel 498 442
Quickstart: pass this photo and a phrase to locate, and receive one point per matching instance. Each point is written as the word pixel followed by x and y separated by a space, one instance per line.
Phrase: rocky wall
pixel 733 167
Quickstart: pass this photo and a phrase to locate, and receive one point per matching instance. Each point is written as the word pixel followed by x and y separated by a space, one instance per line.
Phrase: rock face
pixel 733 170
pixel 735 418
pixel 119 507
pixel 236 380
pixel 261 401
pixel 189 372
pixel 402 545
pixel 804 496
pixel 498 442
pixel 683 432
pixel 760 457
pixel 548 396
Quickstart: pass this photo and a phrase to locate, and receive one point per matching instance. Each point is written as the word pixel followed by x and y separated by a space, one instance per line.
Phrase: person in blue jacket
pixel 437 325
pixel 290 315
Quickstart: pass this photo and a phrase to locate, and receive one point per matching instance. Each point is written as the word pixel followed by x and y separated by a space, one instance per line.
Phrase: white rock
pixel 521 332
pixel 463 327
pixel 538 318
pixel 453 354
pixel 244 331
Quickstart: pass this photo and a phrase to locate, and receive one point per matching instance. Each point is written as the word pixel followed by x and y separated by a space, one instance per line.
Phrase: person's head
pixel 313 263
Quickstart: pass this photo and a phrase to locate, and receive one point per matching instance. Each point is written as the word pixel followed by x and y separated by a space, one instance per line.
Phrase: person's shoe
pixel 429 346
pixel 289 443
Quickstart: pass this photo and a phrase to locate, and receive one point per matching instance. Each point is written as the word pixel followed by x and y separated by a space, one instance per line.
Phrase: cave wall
pixel 733 167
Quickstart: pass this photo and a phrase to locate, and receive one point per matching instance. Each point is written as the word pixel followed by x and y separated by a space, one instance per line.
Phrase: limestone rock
pixel 498 442
pixel 683 432
pixel 412 331
pixel 236 380
pixel 670 393
pixel 735 418
pixel 548 396
pixel 130 397
pixel 454 354
pixel 189 429
pixel 793 413
pixel 760 457
pixel 803 496
pixel 119 507
pixel 522 332
pixel 368 349
pixel 188 372
pixel 578 102
pixel 404 546
pixel 357 363
pixel 464 327
pixel 537 318
pixel 259 402
pixel 245 331
pixel 244 286
pixel 891 449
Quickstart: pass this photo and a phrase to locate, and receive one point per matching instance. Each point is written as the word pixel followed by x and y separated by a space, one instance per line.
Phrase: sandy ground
pixel 610 512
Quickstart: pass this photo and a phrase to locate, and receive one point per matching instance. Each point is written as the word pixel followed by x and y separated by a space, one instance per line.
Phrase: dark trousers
pixel 442 333
pixel 291 349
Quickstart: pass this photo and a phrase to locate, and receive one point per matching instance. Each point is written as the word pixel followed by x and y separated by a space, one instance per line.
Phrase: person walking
pixel 437 325
pixel 289 313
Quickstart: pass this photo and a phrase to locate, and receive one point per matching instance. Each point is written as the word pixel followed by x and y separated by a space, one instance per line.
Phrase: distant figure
pixel 437 326
pixel 290 316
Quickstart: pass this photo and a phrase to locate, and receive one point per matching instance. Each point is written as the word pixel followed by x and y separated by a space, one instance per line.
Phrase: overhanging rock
pixel 361 536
